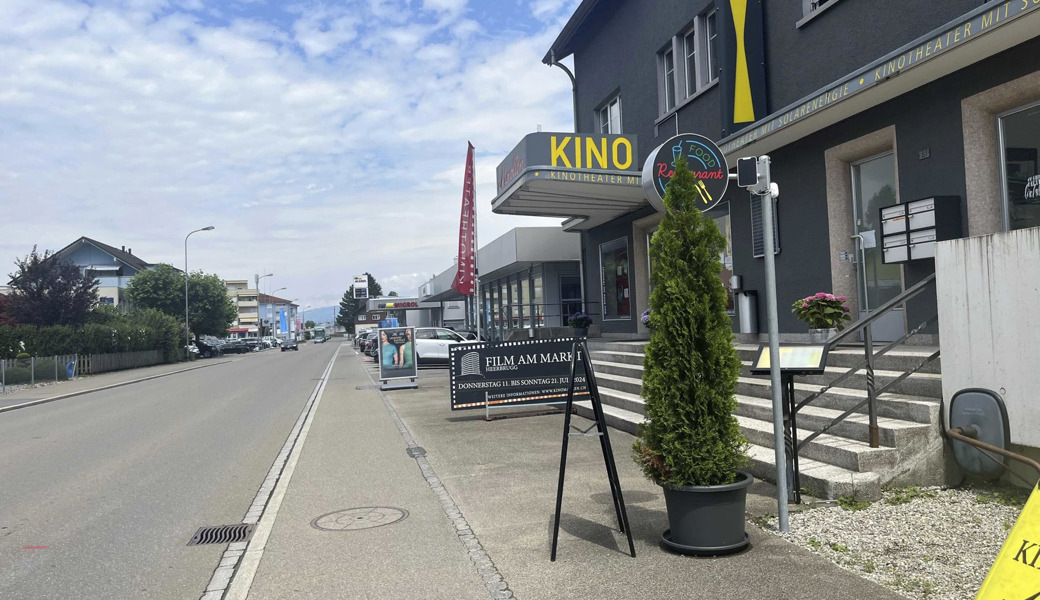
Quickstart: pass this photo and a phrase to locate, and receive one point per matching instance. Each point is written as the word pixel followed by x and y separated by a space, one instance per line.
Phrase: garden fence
pixel 91 364
pixel 38 369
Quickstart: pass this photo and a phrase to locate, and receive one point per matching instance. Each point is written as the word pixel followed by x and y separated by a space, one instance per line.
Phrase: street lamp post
pixel 270 312
pixel 259 320
pixel 187 329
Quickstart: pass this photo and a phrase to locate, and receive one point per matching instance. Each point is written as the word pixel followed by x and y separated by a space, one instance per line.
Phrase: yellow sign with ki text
pixel 1015 574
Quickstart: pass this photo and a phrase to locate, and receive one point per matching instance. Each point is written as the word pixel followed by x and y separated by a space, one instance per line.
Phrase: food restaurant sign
pixel 608 159
pixel 923 50
pixel 704 160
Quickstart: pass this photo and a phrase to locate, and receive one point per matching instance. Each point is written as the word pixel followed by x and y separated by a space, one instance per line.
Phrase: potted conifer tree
pixel 691 443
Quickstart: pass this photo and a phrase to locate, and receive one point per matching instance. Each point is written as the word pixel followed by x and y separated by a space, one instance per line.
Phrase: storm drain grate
pixel 222 534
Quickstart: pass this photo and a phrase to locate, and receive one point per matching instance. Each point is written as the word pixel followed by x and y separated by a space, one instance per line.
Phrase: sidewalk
pixel 498 496
pixel 88 383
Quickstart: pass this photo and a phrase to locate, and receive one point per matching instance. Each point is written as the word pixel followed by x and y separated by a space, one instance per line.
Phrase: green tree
pixel 690 436
pixel 162 288
pixel 348 305
pixel 211 310
pixel 46 291
pixel 309 324
pixel 392 294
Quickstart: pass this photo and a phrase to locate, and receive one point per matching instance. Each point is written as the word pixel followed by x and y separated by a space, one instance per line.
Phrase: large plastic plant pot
pixel 707 520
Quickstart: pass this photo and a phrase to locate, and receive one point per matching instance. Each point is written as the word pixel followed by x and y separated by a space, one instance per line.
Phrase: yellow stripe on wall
pixel 743 107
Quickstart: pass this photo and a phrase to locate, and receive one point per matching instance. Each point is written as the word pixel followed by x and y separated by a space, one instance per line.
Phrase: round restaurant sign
pixel 704 159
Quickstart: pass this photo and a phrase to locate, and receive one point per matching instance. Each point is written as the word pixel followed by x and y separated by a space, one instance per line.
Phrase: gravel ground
pixel 10 389
pixel 928 543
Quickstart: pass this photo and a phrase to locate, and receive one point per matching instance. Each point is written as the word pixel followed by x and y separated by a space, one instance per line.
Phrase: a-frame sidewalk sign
pixel 580 349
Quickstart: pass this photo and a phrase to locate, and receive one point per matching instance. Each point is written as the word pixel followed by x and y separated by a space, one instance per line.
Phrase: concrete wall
pixel 989 301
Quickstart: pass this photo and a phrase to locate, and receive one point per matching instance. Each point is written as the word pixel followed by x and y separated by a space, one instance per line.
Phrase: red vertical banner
pixel 464 278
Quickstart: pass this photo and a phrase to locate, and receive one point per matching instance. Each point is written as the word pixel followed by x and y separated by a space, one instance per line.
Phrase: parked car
pixel 370 343
pixel 290 345
pixel 209 347
pixel 253 344
pixel 433 343
pixel 234 347
pixel 270 341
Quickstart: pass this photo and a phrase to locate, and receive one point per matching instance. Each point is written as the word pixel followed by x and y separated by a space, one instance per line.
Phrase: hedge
pixel 136 331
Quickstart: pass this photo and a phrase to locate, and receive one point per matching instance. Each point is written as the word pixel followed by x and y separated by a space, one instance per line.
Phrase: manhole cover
pixel 365 517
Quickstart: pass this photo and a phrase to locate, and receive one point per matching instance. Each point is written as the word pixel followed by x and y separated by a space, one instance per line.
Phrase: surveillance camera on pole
pixel 753 174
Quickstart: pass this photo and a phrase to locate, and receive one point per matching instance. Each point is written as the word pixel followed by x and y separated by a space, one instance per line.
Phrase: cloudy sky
pixel 322 139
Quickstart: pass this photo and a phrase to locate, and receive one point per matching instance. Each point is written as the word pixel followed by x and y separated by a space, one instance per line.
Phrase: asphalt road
pixel 100 494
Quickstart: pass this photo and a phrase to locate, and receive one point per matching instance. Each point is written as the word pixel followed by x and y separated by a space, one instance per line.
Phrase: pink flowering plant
pixel 822 311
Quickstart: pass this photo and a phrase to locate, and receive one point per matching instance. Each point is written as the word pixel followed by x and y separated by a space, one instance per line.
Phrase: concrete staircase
pixel 837 463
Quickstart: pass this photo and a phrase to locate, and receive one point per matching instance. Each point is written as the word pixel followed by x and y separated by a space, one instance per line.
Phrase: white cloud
pixel 319 147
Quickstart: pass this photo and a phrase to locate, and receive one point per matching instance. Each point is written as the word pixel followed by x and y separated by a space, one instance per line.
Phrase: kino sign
pixel 703 158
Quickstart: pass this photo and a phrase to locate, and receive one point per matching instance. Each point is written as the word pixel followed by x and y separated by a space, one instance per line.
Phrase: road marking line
pixel 264 508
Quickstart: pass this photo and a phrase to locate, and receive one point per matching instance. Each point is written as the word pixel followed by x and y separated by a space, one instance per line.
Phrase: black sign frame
pixel 485 375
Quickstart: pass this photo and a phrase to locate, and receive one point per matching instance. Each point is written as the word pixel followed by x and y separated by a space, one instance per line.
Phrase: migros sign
pixel 590 152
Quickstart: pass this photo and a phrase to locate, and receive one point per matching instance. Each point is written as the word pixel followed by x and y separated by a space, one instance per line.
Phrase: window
pixel 697 49
pixel 669 79
pixel 425 334
pixel 608 116
pixel 613 263
pixel 690 46
pixel 449 335
pixel 811 6
pixel 537 301
pixel 721 217
pixel 570 295
pixel 1020 144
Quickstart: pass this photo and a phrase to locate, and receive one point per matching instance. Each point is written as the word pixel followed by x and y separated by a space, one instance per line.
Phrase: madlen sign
pixel 704 159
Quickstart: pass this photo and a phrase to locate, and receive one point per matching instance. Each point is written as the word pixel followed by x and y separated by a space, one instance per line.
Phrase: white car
pixel 432 344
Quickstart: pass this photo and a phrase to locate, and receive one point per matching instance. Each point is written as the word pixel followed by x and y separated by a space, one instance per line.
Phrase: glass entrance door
pixel 874 186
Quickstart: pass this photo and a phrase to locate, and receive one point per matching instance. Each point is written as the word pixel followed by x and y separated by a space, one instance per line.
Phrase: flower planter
pixel 707 520
pixel 820 336
pixel 581 332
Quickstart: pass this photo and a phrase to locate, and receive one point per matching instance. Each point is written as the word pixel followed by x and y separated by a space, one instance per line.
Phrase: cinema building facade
pixel 890 126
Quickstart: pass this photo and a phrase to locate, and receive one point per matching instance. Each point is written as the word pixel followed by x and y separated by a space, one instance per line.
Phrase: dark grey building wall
pixel 618 52
pixel 842 38
pixel 928 118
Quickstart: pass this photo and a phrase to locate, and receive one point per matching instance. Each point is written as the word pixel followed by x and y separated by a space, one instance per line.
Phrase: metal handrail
pixel 875 314
pixel 863 325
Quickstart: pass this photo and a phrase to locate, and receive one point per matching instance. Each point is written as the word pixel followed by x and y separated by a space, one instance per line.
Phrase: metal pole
pixel 868 347
pixel 187 332
pixel 32 369
pixel 774 345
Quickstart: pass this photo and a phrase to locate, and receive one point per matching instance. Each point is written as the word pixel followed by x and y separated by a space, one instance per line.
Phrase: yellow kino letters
pixel 590 152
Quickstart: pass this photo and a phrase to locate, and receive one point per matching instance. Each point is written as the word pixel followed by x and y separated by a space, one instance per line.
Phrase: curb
pixel 4 409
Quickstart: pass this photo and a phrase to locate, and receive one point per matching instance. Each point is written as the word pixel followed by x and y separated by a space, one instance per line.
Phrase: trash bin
pixel 747 311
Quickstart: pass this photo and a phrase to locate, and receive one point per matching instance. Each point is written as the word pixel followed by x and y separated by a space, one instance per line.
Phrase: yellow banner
pixel 1015 574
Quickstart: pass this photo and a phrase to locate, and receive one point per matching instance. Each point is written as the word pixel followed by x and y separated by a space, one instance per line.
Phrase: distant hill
pixel 322 314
